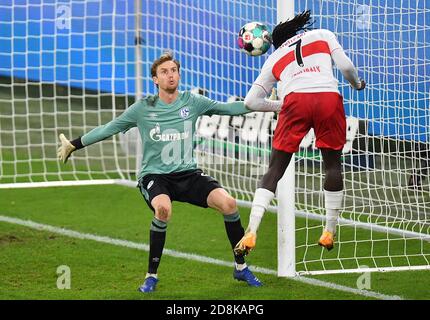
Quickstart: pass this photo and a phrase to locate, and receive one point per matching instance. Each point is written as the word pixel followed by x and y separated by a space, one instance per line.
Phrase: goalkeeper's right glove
pixel 66 149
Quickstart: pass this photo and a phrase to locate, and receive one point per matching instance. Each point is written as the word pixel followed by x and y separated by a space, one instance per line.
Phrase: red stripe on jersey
pixel 319 46
pixel 282 64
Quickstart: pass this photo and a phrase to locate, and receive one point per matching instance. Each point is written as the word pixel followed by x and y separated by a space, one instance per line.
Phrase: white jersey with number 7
pixel 303 63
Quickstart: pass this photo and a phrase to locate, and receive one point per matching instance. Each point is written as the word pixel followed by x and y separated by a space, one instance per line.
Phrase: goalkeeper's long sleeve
pixel 224 108
pixel 127 120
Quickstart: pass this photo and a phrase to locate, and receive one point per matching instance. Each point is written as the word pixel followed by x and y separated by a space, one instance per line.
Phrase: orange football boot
pixel 246 244
pixel 326 240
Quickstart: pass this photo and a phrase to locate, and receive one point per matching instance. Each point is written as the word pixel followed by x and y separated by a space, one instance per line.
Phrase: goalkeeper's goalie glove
pixel 66 149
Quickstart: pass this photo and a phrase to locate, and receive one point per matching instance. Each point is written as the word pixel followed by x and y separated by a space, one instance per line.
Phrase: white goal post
pixel 286 190
pixel 70 66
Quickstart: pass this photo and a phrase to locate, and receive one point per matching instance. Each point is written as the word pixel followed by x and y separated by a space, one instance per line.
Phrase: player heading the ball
pixel 302 67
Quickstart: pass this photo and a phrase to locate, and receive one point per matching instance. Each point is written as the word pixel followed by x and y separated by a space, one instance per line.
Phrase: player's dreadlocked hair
pixel 285 30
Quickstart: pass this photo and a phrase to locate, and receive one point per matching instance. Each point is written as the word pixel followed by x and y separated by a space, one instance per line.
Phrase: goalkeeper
pixel 302 63
pixel 166 123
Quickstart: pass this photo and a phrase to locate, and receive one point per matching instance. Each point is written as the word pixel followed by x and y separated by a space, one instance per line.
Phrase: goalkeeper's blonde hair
pixel 167 56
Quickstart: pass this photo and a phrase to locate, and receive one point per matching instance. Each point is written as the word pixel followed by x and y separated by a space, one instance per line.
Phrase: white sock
pixel 333 204
pixel 240 267
pixel 151 275
pixel 262 199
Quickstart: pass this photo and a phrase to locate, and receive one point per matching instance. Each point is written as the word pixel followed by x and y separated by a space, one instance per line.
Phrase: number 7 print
pixel 298 53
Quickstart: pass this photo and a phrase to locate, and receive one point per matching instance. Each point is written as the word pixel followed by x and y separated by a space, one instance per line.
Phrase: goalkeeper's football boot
pixel 247 276
pixel 326 240
pixel 246 244
pixel 148 285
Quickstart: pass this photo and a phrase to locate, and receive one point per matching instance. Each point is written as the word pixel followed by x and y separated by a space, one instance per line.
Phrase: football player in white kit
pixel 302 65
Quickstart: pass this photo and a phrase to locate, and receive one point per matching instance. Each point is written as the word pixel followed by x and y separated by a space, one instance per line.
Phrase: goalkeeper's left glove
pixel 66 149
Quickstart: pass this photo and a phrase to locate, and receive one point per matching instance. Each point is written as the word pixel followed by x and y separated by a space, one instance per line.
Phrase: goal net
pixel 70 66
pixel 386 170
pixel 66 66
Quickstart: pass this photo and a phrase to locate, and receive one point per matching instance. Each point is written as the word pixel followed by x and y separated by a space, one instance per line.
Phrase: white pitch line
pixel 188 256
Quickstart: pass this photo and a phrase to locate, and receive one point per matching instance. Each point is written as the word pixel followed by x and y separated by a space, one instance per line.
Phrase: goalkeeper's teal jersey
pixel 167 130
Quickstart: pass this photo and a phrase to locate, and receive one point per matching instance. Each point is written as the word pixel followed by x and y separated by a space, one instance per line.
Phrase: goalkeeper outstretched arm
pixel 123 123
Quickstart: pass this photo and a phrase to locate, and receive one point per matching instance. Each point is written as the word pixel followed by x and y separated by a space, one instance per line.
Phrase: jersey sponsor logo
pixel 155 132
pixel 184 112
pixel 149 184
pixel 315 47
pixel 204 174
pixel 168 135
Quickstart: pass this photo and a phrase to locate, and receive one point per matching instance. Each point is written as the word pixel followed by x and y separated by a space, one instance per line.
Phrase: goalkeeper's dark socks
pixel 235 232
pixel 157 238
pixel 77 143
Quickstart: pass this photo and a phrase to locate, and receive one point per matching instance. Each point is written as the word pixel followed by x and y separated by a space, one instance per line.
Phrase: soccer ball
pixel 254 39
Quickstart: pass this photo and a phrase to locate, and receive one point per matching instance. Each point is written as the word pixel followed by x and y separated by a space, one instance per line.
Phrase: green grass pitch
pixel 29 258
